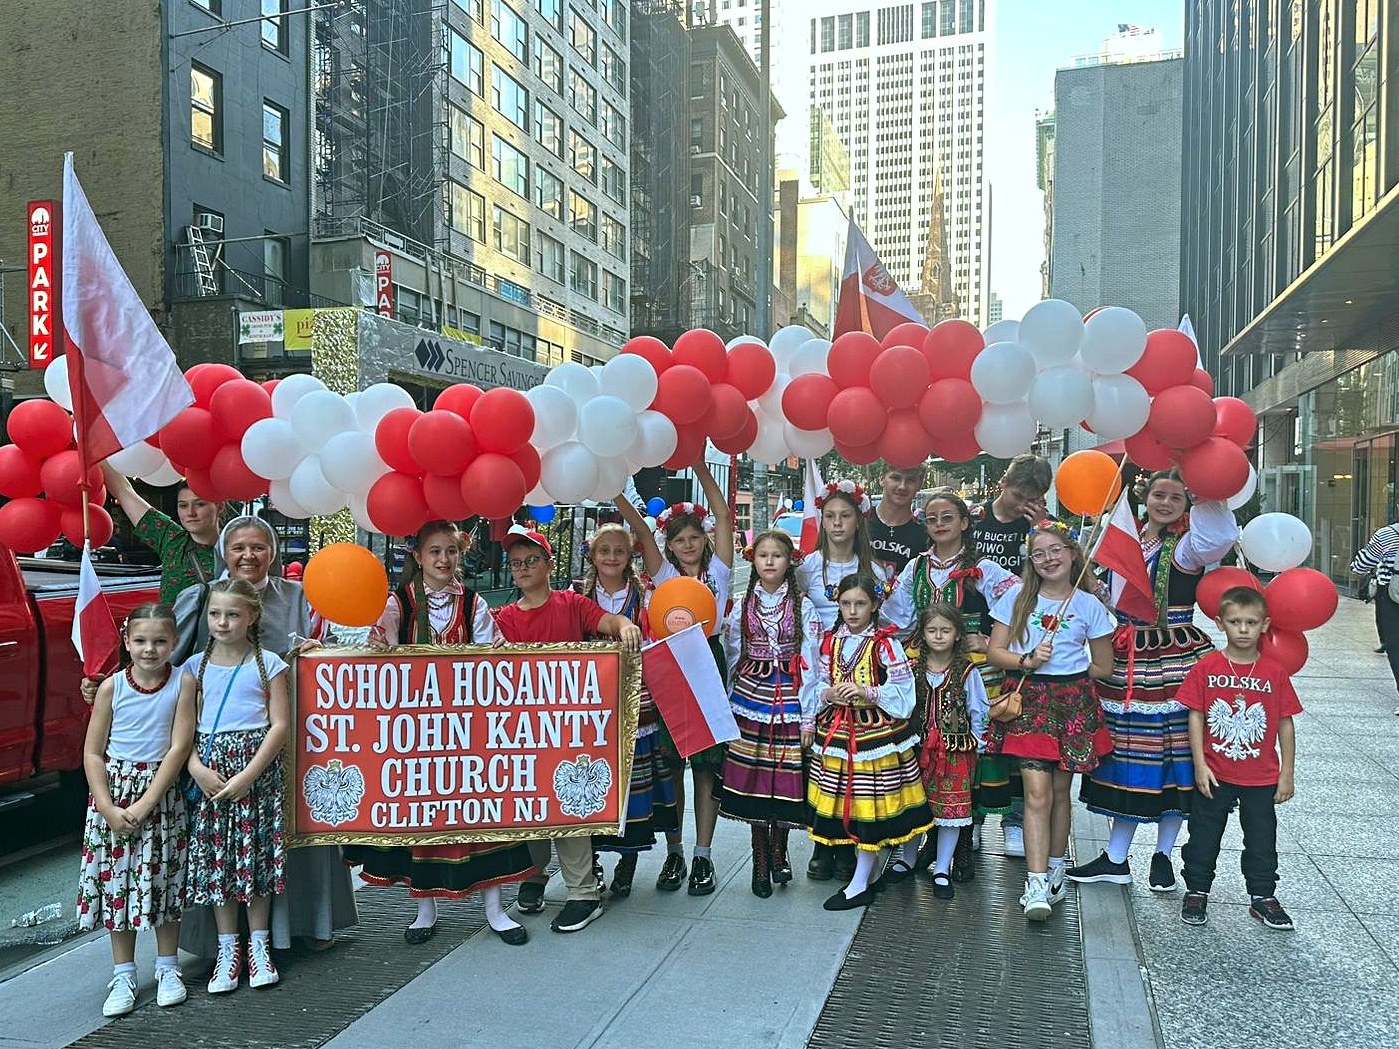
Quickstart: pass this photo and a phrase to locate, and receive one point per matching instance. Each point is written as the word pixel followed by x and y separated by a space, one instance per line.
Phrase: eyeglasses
pixel 945 519
pixel 518 565
pixel 1039 557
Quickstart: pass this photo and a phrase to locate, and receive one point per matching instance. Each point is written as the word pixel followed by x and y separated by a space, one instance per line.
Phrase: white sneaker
pixel 227 968
pixel 1058 884
pixel 1015 839
pixel 169 987
pixel 976 837
pixel 261 971
pixel 1036 900
pixel 122 998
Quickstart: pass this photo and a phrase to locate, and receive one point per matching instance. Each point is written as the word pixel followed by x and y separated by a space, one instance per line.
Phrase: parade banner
pixel 424 745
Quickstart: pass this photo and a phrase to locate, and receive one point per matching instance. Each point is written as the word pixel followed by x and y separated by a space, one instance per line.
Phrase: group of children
pixel 875 711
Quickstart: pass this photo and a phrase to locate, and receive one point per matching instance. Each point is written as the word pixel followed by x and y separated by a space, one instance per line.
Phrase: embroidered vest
pixel 756 643
pixel 945 707
pixel 458 630
pixel 862 667
pixel 972 605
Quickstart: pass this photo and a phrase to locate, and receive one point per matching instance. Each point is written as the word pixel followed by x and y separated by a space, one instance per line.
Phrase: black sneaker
pixel 531 898
pixel 1163 875
pixel 1192 908
pixel 1102 869
pixel 1267 910
pixel 701 877
pixel 822 865
pixel 673 873
pixel 577 914
pixel 623 874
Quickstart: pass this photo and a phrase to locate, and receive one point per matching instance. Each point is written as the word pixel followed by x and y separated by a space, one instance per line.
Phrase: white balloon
pixel 290 390
pixel 810 358
pixel 607 427
pixel 786 340
pixel 351 463
pixel 770 446
pixel 376 402
pixel 1005 430
pixel 279 496
pixel 738 340
pixel 1051 330
pixel 655 440
pixel 809 444
pixel 1003 372
pixel 319 416
pixel 309 488
pixel 352 398
pixel 771 400
pixel 631 378
pixel 56 384
pixel 569 473
pixel 1244 494
pixel 1120 407
pixel 359 510
pixel 650 523
pixel 538 497
pixel 164 476
pixel 1061 397
pixel 137 461
pixel 555 416
pixel 271 448
pixel 1114 339
pixel 1276 542
pixel 575 380
pixel 1002 331
pixel 612 475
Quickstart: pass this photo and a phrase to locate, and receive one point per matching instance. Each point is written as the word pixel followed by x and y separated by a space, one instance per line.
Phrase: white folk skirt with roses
pixel 135 881
pixel 236 851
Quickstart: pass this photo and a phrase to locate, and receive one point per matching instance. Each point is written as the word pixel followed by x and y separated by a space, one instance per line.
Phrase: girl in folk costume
pixel 865 788
pixel 1057 635
pixel 612 582
pixel 136 834
pixel 698 543
pixel 1149 776
pixel 432 607
pixel 773 642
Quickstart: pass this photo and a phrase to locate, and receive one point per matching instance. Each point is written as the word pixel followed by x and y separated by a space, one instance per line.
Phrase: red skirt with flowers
pixel 1060 720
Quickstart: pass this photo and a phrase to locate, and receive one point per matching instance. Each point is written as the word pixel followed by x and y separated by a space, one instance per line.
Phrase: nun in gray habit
pixel 319 896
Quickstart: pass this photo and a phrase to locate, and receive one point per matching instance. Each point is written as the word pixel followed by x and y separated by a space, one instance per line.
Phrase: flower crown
pixel 882 589
pixel 797 555
pixel 846 488
pixel 1059 528
pixel 700 513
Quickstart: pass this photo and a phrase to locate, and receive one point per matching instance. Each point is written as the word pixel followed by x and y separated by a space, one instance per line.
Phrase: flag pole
pixel 76 381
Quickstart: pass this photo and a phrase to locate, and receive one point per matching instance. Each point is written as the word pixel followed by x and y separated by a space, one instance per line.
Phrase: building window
pixel 214 7
pixel 511 235
pixel 275 251
pixel 467 63
pixel 467 212
pixel 582 275
pixel 274 25
pixel 614 13
pixel 475 8
pixel 509 98
pixel 582 215
pixel 582 96
pixel 548 128
pixel 614 237
pixel 614 180
pixel 274 141
pixel 582 36
pixel 548 65
pixel 614 69
pixel 548 193
pixel 549 258
pixel 582 155
pixel 552 12
pixel 206 108
pixel 468 137
pixel 614 292
pixel 614 125
pixel 509 28
pixel 509 166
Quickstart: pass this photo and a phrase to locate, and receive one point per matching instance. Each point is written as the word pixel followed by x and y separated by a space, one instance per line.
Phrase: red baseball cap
pixel 519 534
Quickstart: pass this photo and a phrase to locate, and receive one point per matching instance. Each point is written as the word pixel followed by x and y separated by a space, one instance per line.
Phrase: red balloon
pixel 1181 417
pixel 949 408
pixel 1287 647
pixel 689 444
pixel 209 378
pixel 950 347
pixel 1203 380
pixel 29 525
pixel 396 503
pixel 460 397
pixel 683 395
pixel 391 442
pixel 40 427
pixel 859 455
pixel 807 399
pixel 192 438
pixel 1146 451
pixel 494 485
pixel 1213 584
pixel 61 476
pixel 269 385
pixel 904 442
pixel 19 473
pixel 237 404
pixel 444 497
pixel 850 358
pixel 100 526
pixel 231 476
pixel 857 417
pixel 899 376
pixel 702 349
pixel 652 350
pixel 751 369
pixel 727 413
pixel 739 442
pixel 441 442
pixel 527 459
pixel 503 420
pixel 1301 599
pixel 1169 361
pixel 1215 469
pixel 909 333
pixel 959 448
pixel 202 484
pixel 1236 421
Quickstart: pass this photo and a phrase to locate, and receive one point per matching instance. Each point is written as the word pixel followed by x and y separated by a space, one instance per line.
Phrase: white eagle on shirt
pixel 1238 728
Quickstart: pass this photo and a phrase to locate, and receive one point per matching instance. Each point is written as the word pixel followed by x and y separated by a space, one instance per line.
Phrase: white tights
pixel 1120 840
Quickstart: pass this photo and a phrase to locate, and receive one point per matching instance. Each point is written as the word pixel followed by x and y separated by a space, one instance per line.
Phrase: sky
pixel 1032 39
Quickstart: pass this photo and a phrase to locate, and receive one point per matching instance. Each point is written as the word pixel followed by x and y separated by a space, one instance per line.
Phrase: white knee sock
pixel 864 867
pixel 1167 831
pixel 427 913
pixel 1120 840
pixel 495 913
pixel 909 852
pixel 947 845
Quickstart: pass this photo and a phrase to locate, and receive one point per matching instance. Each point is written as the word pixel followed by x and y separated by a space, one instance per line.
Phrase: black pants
pixel 1259 819
pixel 1387 620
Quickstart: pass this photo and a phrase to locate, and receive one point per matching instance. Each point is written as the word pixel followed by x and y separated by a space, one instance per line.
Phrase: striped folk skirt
pixel 651 806
pixel 864 786
pixel 762 779
pixel 448 872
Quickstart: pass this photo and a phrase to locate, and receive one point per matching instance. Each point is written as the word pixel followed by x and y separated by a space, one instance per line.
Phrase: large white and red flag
pixel 125 380
pixel 95 633
pixel 688 690
pixel 811 515
pixel 1119 550
pixel 870 299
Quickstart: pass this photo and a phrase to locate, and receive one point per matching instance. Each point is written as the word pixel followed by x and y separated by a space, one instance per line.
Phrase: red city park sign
pixel 42 224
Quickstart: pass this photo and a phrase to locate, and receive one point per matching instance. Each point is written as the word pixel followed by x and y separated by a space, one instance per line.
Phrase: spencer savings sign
pixel 43 223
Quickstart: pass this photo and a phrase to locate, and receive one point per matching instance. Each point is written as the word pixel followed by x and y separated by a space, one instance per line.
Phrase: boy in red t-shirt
pixel 1241 707
pixel 545 615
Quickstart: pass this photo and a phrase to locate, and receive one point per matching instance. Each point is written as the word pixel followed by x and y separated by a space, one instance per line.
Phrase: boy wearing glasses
pixel 545 615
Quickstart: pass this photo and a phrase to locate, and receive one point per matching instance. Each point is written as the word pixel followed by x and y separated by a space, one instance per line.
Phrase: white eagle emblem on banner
pixel 333 792
pixel 582 785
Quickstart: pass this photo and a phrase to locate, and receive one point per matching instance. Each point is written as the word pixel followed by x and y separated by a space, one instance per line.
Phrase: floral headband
pixel 850 490
pixel 701 514
pixel 1058 528
pixel 882 589
pixel 796 558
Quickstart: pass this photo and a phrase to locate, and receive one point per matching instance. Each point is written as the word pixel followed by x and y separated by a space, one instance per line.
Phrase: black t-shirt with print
pixel 1000 541
pixel 897 545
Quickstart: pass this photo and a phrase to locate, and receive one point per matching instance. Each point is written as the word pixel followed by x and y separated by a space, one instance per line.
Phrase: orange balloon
pixel 679 603
pixel 1087 482
pixel 346 584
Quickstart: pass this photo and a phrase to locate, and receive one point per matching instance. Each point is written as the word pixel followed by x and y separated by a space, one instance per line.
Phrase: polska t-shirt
pixel 1000 541
pixel 1243 704
pixel 896 545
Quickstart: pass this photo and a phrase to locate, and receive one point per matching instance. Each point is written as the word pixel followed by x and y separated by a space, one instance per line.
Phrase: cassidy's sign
pixel 425 745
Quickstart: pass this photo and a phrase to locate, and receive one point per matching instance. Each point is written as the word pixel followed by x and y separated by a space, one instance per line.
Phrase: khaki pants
pixel 575 864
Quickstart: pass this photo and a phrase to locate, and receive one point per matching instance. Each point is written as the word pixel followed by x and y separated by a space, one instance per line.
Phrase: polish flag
pixel 689 692
pixel 1188 328
pixel 125 380
pixel 811 517
pixel 95 633
pixel 870 300
pixel 1120 550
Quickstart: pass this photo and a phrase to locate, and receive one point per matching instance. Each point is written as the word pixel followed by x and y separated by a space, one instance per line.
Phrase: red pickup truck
pixel 42 715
